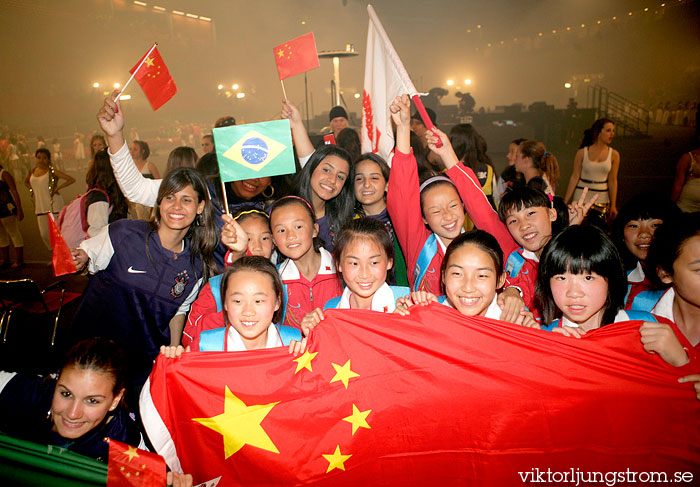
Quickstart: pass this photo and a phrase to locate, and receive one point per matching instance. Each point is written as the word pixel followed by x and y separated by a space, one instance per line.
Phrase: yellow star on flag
pixel 240 425
pixel 304 362
pixel 336 459
pixel 280 53
pixel 131 452
pixel 358 419
pixel 343 373
pixel 149 61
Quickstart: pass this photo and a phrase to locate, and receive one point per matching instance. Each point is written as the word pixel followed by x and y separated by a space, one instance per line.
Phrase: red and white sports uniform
pixel 301 295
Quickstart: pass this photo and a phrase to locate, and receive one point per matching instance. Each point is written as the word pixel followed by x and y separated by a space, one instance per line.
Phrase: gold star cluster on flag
pixel 358 418
pixel 240 424
pixel 281 54
pixel 150 63
pixel 132 452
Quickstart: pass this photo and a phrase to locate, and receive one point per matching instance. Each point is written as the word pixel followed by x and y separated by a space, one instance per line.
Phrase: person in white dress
pixel 596 165
pixel 44 182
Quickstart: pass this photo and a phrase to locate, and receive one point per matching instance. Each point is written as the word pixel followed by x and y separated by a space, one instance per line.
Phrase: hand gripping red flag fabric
pixel 385 79
pixel 434 398
pixel 131 467
pixel 60 255
pixel 296 56
pixel 155 79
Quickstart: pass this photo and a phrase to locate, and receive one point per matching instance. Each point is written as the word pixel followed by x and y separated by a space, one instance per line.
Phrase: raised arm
pixel 111 120
pixel 475 202
pixel 400 114
pixel 301 140
pixel 575 176
pixel 135 187
pixel 403 195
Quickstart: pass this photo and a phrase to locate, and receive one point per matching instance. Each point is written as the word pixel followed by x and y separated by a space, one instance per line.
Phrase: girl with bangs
pixel 472 276
pixel 371 184
pixel 633 232
pixel 582 286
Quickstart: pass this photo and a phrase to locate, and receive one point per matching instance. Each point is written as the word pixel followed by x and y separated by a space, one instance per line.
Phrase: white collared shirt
pixel 289 271
pixel 234 342
pixel 493 311
pixel 636 274
pixel 382 301
pixel 620 316
pixel 530 255
pixel 441 244
pixel 664 307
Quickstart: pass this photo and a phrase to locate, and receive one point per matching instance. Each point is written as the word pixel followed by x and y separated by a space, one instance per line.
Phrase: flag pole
pixel 155 44
pixel 223 188
pixel 403 74
pixel 306 96
pixel 284 92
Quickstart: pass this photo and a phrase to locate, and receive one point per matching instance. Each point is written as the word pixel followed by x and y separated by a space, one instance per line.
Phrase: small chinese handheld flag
pixel 296 56
pixel 128 466
pixel 154 78
pixel 254 150
pixel 61 257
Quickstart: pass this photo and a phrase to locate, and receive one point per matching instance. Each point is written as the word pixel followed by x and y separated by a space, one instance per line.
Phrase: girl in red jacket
pixel 308 274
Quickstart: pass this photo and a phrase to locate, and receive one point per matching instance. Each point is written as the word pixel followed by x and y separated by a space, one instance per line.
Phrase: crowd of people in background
pixel 174 270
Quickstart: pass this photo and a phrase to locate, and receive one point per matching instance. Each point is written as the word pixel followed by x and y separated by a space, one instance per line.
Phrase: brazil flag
pixel 254 150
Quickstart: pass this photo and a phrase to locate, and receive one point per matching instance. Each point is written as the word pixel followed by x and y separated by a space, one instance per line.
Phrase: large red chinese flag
pixel 131 467
pixel 60 255
pixel 155 79
pixel 296 56
pixel 434 398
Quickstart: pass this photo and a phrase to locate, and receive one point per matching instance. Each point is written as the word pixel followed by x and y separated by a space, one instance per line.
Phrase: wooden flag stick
pixel 223 188
pixel 155 44
pixel 284 92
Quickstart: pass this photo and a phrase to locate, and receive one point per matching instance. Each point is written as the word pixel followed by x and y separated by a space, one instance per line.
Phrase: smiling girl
pixel 251 298
pixel 146 274
pixel 326 183
pixel 633 233
pixel 84 404
pixel 435 203
pixel 308 274
pixel 371 183
pixel 472 275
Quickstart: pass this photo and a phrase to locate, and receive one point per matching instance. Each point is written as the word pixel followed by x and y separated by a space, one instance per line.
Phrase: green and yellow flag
pixel 254 150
